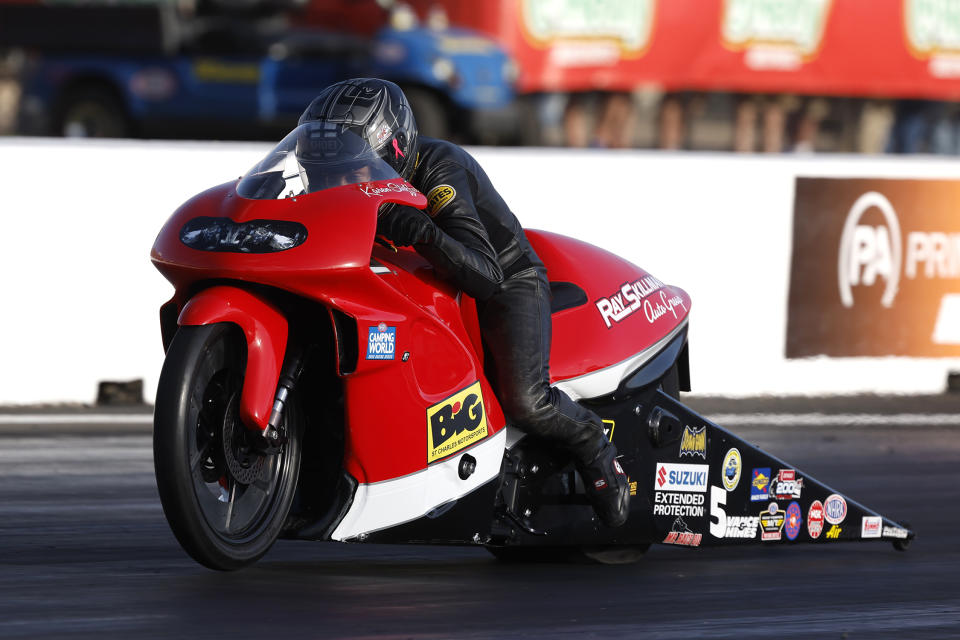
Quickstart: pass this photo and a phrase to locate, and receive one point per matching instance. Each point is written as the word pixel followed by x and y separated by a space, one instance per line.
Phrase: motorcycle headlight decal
pixel 255 236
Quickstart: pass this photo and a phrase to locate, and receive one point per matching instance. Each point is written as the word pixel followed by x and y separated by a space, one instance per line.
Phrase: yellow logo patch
pixel 694 442
pixel 608 427
pixel 455 423
pixel 439 197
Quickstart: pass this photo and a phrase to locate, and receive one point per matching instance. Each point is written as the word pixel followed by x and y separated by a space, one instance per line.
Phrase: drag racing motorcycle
pixel 322 385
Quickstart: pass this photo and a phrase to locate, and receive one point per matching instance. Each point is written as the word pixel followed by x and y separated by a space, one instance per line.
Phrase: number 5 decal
pixel 718 499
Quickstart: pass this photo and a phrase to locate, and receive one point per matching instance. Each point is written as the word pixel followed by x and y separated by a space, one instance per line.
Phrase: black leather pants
pixel 516 328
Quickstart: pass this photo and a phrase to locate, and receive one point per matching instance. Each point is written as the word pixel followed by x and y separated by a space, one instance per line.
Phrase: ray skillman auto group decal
pixel 456 423
pixel 632 295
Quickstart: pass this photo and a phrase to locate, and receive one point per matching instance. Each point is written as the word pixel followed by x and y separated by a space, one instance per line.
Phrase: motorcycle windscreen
pixel 313 157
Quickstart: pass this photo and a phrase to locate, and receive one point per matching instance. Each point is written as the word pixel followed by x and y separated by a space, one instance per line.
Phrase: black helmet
pixel 376 111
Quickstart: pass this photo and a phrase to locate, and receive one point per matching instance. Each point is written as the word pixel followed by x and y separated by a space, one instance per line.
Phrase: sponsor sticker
pixel 667 503
pixel 786 485
pixel 633 488
pixel 742 527
pixel 618 306
pixel 681 477
pixel 731 469
pixel 895 532
pixel 718 517
pixel 834 532
pixel 608 428
pixel 439 197
pixel 794 521
pixel 760 484
pixel 871 527
pixel 694 442
pixel 654 308
pixel 772 521
pixel 681 534
pixel 382 342
pixel 383 133
pixel 815 519
pixel 834 509
pixel 455 423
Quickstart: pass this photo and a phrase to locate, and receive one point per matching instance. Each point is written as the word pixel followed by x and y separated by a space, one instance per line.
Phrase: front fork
pixel 275 434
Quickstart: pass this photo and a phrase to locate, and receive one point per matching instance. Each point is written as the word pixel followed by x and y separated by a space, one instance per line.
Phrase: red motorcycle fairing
pixel 389 402
pixel 265 330
pixel 626 316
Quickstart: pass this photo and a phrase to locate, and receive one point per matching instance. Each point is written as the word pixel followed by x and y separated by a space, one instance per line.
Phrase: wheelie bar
pixel 749 495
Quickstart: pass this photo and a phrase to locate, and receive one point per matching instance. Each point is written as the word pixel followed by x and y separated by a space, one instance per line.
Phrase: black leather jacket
pixel 482 241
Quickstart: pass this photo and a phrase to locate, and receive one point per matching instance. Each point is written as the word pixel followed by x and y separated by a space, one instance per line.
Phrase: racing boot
pixel 606 486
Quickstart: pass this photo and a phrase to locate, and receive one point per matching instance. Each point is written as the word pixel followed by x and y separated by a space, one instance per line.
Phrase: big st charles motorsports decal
pixel 875 268
pixel 455 423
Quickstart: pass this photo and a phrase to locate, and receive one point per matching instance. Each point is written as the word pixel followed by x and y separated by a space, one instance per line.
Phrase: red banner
pixel 884 48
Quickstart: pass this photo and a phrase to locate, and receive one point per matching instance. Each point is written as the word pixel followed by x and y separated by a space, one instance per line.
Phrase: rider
pixel 474 241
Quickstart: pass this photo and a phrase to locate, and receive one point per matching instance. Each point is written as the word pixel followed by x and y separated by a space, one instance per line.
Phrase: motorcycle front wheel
pixel 224 499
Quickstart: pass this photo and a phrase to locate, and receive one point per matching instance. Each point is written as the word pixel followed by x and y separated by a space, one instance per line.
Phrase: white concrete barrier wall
pixel 80 297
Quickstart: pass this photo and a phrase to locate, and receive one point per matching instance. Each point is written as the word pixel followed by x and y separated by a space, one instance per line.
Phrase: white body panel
pixel 379 505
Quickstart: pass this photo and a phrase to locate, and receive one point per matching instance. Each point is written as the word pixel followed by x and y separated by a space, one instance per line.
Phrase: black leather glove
pixel 405 226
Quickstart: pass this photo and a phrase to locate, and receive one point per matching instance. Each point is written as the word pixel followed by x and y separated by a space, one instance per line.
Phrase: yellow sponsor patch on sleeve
pixel 456 423
pixel 439 197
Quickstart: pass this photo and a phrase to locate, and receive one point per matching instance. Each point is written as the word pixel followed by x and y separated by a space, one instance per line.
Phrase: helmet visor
pixel 313 157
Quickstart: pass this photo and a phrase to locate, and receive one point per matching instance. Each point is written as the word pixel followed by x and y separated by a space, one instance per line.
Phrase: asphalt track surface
pixel 86 553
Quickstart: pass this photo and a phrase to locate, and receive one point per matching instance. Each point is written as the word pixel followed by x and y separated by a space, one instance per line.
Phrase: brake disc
pixel 245 462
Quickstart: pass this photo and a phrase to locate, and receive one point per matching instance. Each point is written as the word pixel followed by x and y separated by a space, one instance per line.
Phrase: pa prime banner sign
pixel 875 268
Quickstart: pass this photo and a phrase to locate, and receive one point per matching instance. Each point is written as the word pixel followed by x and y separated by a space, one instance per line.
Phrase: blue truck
pixel 147 71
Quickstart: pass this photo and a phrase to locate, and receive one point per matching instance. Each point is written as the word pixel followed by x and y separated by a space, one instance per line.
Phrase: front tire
pixel 224 500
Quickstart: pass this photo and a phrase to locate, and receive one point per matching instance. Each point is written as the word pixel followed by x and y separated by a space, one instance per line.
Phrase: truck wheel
pixel 92 112
pixel 429 113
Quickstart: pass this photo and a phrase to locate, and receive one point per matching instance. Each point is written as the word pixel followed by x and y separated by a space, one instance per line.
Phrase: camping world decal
pixel 456 423
pixel 381 342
